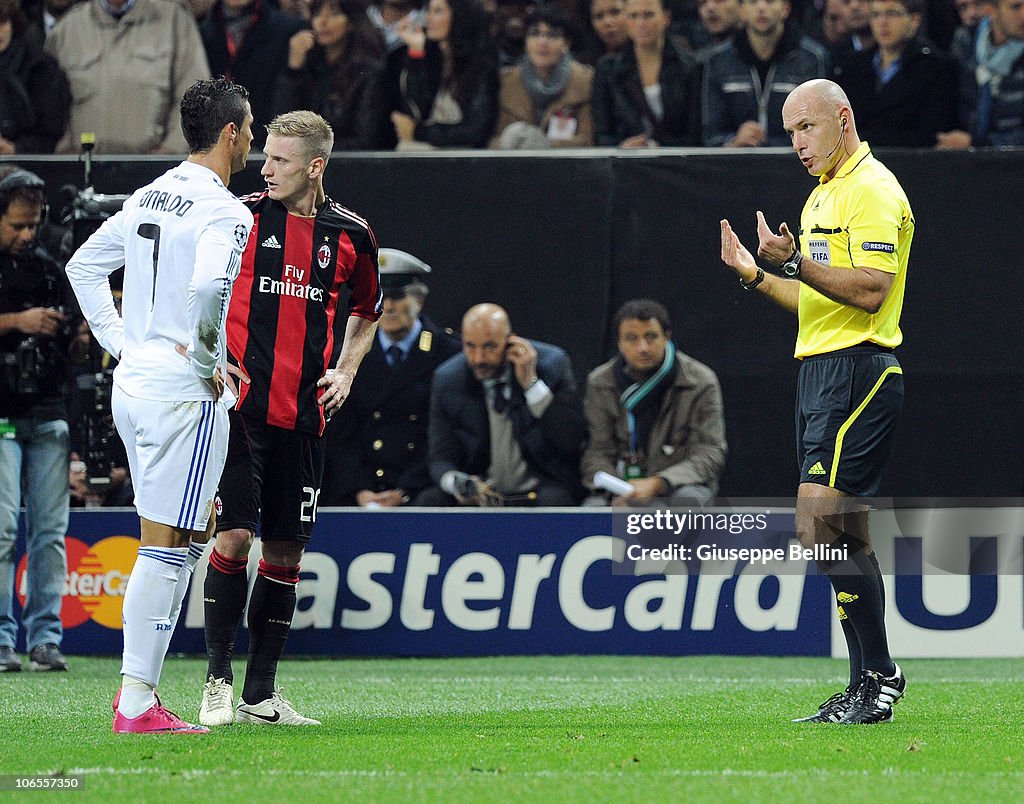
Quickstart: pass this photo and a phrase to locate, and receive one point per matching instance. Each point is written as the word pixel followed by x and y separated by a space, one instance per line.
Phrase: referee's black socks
pixel 860 598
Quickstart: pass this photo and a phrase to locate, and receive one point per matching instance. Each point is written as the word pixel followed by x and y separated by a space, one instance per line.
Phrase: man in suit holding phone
pixel 506 420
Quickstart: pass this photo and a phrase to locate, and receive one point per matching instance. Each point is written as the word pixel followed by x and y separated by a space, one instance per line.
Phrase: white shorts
pixel 176 452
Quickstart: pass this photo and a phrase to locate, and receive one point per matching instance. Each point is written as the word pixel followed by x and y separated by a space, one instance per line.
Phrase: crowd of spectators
pixel 512 74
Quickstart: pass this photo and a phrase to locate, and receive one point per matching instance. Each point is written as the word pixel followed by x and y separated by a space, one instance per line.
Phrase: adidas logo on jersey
pixel 271 242
pixel 817 469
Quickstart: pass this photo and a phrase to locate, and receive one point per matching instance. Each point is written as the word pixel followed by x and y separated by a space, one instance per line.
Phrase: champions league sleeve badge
pixel 241 236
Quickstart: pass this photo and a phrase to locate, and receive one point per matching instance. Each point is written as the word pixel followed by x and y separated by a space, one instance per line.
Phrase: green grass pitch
pixel 509 729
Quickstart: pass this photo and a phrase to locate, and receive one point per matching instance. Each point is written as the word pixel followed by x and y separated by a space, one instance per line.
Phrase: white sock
pixel 146 614
pixel 136 697
pixel 195 552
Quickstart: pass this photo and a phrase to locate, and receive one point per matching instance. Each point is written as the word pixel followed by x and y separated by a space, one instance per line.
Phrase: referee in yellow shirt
pixel 845 281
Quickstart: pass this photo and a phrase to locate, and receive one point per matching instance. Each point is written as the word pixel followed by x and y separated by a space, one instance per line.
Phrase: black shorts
pixel 847 405
pixel 271 476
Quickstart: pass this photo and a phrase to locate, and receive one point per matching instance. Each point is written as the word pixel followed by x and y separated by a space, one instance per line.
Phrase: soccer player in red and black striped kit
pixel 302 249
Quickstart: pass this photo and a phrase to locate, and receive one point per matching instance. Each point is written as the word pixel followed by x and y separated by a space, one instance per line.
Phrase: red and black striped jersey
pixel 280 324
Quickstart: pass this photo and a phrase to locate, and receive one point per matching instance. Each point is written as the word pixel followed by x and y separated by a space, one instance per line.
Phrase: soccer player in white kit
pixel 180 240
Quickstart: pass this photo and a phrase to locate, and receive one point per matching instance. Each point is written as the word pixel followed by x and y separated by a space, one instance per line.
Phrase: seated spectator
pixel 970 12
pixel 247 41
pixel 34 94
pixel 442 87
pixel 385 17
pixel 648 94
pixel 833 33
pixel 300 9
pixel 992 83
pixel 719 20
pixel 607 29
pixel 377 449
pixel 904 89
pixel 335 70
pixel 654 415
pixel 545 100
pixel 858 27
pixel 747 79
pixel 506 424
pixel 508 29
pixel 128 63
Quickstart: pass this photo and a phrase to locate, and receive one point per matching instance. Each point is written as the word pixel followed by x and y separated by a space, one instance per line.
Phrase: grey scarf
pixel 994 63
pixel 542 92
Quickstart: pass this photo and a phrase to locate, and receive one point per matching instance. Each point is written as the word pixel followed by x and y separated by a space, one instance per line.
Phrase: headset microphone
pixel 842 133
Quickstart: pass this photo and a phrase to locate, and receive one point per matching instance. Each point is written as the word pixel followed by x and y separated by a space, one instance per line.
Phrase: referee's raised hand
pixel 736 255
pixel 771 247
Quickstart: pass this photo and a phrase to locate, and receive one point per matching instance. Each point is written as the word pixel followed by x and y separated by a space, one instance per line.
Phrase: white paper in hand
pixel 615 485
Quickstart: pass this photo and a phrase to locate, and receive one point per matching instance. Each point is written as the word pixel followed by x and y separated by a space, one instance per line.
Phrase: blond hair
pixel 315 132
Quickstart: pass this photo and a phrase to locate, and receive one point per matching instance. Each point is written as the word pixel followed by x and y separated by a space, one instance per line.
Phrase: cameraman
pixel 35 334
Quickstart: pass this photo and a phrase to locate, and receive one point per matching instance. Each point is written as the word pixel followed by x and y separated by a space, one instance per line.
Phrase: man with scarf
pixel 545 99
pixel 655 415
pixel 992 83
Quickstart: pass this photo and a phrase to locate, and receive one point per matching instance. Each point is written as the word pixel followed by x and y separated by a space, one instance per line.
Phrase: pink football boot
pixel 155 720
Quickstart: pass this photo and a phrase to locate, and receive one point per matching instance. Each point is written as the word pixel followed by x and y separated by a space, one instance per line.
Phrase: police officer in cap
pixel 377 448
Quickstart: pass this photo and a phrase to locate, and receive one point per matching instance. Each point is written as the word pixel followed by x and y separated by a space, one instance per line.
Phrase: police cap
pixel 400 271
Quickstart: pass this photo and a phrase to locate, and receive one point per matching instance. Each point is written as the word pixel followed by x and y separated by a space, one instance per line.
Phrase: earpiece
pixel 843 121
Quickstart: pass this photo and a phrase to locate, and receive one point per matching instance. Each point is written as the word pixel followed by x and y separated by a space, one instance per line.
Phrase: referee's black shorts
pixel 271 475
pixel 847 404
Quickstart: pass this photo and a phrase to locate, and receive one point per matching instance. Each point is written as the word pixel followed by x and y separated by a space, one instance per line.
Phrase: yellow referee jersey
pixel 859 219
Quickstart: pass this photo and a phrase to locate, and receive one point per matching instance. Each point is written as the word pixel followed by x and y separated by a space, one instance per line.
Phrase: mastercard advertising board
pixel 101 550
pixel 96 579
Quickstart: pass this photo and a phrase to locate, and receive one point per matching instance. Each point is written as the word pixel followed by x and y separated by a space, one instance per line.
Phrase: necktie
pixel 498 400
pixel 394 355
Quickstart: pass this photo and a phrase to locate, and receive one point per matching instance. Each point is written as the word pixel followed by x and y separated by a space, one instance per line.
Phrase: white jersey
pixel 180 240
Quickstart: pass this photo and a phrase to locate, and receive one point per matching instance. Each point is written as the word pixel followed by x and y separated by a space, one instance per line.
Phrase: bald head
pixel 487 315
pixel 485 331
pixel 818 95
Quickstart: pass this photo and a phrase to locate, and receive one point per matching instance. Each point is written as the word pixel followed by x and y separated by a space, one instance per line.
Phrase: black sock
pixel 852 643
pixel 224 601
pixel 271 607
pixel 858 592
pixel 878 577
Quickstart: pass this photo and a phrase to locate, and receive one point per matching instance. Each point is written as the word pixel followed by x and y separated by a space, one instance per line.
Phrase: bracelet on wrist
pixel 753 283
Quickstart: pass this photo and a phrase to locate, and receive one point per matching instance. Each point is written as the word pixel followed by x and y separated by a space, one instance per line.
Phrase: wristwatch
pixel 791 267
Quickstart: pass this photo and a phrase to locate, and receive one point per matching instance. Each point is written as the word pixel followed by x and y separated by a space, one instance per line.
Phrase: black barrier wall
pixel 561 241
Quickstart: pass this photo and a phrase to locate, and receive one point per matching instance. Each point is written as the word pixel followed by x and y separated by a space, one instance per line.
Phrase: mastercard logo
pixel 97 577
